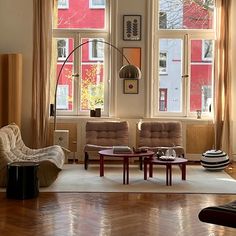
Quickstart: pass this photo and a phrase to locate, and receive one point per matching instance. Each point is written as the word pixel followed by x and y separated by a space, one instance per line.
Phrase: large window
pixel 184 42
pixel 83 83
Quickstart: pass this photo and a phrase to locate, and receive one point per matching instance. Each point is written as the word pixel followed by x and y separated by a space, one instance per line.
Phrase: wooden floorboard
pixel 88 214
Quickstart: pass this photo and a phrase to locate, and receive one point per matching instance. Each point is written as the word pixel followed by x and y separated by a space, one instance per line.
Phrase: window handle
pixel 76 75
pixel 184 76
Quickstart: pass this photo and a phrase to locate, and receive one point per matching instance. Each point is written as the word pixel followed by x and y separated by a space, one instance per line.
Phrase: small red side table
pixel 177 161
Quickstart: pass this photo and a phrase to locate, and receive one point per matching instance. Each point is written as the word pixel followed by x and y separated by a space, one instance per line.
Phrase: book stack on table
pixel 121 149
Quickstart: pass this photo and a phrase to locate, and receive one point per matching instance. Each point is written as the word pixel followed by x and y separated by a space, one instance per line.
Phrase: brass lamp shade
pixel 130 72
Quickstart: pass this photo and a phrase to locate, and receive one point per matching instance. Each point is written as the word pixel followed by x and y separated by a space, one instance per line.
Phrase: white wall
pixel 131 105
pixel 16 27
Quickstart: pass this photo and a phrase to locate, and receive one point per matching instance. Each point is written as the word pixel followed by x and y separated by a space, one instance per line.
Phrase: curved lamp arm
pixel 67 58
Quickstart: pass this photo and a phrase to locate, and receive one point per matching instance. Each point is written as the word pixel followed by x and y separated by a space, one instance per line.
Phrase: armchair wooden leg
pixel 86 160
pixel 140 163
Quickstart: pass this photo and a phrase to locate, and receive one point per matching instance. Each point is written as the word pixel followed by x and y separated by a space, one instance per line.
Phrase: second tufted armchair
pixel 104 135
pixel 155 135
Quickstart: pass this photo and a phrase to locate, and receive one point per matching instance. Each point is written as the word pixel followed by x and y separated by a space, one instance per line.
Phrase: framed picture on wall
pixel 130 86
pixel 133 54
pixel 132 27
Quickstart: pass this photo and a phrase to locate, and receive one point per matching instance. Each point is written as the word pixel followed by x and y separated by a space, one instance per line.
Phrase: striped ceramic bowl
pixel 214 160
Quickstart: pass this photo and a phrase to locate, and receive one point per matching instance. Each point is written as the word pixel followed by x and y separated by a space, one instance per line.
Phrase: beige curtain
pixel 10 88
pixel 222 78
pixel 42 47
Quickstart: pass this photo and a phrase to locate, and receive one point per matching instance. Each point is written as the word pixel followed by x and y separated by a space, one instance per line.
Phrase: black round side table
pixel 22 180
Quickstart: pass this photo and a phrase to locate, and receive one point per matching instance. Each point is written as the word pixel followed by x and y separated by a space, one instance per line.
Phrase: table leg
pixel 127 171
pixel 140 163
pixel 124 167
pixel 167 175
pixel 145 168
pixel 170 174
pixel 183 167
pixel 150 169
pixel 101 165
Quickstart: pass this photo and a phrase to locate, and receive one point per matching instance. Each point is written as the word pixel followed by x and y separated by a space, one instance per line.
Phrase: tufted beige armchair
pixel 104 135
pixel 156 135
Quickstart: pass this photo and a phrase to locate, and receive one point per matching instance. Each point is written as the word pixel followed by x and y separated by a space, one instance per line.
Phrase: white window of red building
pixel 63 4
pixel 62 49
pixel 97 3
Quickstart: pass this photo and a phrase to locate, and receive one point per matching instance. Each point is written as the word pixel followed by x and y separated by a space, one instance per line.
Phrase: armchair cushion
pixel 156 135
pixel 104 135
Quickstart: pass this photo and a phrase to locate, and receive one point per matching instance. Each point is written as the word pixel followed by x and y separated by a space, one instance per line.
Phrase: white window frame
pixel 66 49
pixel 63 4
pixel 93 5
pixel 77 35
pixel 185 35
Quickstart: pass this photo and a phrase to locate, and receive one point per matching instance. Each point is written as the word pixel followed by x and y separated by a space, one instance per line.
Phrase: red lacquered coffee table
pixel 177 161
pixel 125 157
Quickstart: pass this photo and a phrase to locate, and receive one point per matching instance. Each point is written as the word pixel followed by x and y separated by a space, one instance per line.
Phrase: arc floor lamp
pixel 126 72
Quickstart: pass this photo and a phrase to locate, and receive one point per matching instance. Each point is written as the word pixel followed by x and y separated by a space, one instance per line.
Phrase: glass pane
pixel 201 75
pixel 65 84
pixel 92 85
pixel 80 15
pixel 186 14
pixel 170 72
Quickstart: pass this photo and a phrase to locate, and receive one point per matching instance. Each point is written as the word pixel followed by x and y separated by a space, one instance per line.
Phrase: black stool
pixel 22 180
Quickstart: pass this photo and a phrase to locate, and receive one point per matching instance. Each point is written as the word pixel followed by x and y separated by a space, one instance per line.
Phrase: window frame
pixel 185 35
pixel 76 35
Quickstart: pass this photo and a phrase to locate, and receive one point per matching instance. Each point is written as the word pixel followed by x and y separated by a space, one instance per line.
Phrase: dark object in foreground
pixel 224 215
pixel 22 180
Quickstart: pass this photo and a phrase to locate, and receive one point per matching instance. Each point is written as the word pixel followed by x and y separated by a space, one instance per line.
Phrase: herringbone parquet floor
pixel 92 214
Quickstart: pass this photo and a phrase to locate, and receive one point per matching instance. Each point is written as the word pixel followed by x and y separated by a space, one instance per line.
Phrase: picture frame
pixel 131 86
pixel 132 27
pixel 133 54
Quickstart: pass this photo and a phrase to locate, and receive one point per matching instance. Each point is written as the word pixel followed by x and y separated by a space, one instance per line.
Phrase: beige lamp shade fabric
pixel 10 88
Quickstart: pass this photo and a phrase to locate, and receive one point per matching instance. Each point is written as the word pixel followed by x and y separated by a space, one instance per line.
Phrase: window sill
pixel 74 119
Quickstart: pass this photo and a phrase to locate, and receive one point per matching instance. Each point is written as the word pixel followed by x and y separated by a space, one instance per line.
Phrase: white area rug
pixel 73 178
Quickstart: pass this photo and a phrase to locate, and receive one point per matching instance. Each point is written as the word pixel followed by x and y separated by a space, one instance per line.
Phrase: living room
pixel 17 26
